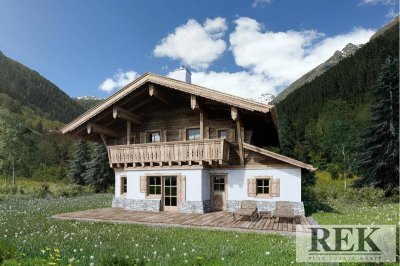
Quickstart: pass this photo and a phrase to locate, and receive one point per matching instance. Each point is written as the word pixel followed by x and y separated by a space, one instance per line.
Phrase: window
pixel 154 185
pixel 262 186
pixel 222 134
pixel 153 137
pixel 193 134
pixel 124 185
pixel 219 183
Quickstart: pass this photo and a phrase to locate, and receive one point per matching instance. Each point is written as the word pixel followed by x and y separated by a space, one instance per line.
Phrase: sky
pixel 246 48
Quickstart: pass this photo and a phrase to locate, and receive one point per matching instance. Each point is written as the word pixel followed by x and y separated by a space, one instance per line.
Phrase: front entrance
pixel 170 193
pixel 218 192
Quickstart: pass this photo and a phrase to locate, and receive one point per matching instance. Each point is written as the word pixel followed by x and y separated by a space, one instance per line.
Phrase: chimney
pixel 182 74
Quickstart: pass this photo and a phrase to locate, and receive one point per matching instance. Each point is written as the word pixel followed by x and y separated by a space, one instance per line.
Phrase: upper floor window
pixel 153 136
pixel 193 134
pixel 222 134
pixel 262 186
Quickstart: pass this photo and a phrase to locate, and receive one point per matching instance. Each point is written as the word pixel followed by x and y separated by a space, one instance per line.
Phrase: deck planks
pixel 222 219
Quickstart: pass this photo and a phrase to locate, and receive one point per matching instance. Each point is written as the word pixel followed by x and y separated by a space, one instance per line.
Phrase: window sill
pixel 264 196
pixel 153 197
pixel 122 195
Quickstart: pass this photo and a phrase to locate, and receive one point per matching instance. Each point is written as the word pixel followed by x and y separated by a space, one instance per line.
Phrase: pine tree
pixel 77 166
pixel 98 172
pixel 379 157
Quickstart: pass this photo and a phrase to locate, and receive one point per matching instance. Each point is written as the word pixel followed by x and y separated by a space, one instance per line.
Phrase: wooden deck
pixel 213 220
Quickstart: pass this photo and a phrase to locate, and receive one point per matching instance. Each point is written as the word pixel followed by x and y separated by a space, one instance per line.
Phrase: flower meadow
pixel 29 236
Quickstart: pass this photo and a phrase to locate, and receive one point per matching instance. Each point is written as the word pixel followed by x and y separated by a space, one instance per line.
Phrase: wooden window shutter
pixel 163 135
pixel 251 187
pixel 181 188
pixel 143 184
pixel 231 135
pixel 275 187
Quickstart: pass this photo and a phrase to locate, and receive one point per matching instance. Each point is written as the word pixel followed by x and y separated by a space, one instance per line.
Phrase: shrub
pixel 8 190
pixel 42 191
pixel 7 251
pixel 72 190
pixel 49 173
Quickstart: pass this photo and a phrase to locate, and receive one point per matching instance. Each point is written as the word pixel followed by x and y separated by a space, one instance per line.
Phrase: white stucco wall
pixel 290 183
pixel 198 183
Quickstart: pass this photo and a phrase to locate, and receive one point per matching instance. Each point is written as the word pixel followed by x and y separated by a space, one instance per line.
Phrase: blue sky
pixel 241 47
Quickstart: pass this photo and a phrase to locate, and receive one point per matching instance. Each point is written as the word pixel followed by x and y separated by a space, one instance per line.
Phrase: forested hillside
pixel 22 87
pixel 323 121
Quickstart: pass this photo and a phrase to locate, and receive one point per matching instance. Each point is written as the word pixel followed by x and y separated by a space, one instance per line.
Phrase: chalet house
pixel 176 146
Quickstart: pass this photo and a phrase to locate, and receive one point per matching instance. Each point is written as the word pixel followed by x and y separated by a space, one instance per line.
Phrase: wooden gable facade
pixel 161 122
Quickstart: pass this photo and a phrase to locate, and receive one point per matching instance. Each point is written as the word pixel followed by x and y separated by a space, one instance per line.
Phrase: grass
pixel 26 225
pixel 29 236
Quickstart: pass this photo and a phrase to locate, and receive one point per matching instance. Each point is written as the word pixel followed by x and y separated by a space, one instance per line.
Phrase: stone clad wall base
pixel 195 206
pixel 233 205
pixel 152 205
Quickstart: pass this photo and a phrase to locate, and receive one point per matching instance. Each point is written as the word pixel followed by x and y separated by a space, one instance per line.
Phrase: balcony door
pixel 170 193
pixel 218 192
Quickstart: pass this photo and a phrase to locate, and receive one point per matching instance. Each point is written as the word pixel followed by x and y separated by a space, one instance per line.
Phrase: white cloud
pixel 270 60
pixel 257 3
pixel 375 2
pixel 119 80
pixel 193 44
pixel 392 5
pixel 243 83
pixel 285 56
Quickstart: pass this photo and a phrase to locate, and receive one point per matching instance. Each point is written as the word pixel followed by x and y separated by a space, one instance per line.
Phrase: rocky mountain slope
pixel 338 56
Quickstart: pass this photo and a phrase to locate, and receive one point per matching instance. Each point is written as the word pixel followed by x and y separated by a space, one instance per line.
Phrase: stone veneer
pixel 195 206
pixel 152 205
pixel 233 205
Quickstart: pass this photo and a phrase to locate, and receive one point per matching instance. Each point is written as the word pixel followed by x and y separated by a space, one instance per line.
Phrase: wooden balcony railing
pixel 211 151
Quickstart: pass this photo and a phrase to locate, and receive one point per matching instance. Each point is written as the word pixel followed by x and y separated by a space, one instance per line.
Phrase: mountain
pixel 265 98
pixel 318 116
pixel 23 87
pixel 338 56
pixel 349 50
pixel 87 102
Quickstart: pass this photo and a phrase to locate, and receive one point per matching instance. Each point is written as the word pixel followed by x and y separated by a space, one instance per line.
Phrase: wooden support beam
pixel 240 140
pixel 201 125
pixel 193 102
pixel 137 106
pixel 118 112
pixel 104 139
pixel 101 130
pixel 156 93
pixel 128 132
pixel 234 113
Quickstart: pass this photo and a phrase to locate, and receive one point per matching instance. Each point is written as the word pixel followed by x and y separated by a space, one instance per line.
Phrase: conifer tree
pixel 379 157
pixel 78 164
pixel 98 172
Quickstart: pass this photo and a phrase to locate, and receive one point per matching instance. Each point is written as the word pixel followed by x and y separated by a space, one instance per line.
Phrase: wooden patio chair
pixel 284 209
pixel 248 208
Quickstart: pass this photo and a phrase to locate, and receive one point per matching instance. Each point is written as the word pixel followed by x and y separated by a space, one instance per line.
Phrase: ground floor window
pixel 262 186
pixel 124 185
pixel 154 185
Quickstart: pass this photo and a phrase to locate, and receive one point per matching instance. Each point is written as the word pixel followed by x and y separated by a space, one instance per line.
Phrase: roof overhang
pixel 279 157
pixel 192 89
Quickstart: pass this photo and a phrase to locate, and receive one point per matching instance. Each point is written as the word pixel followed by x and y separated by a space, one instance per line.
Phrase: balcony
pixel 197 152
